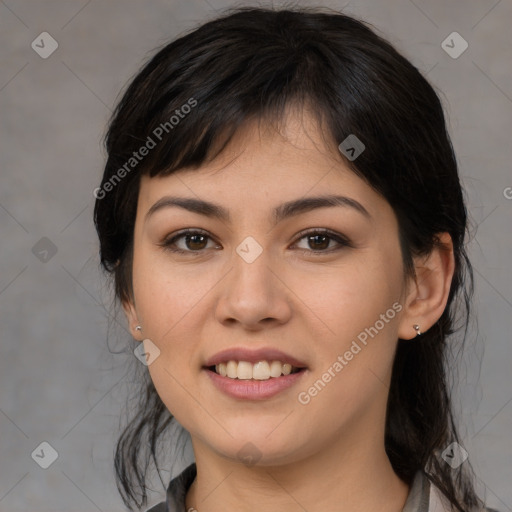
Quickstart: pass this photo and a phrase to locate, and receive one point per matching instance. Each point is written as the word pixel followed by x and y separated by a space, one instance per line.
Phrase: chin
pixel 258 449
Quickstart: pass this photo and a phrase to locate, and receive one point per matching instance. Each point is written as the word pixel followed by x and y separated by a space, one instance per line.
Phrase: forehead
pixel 265 164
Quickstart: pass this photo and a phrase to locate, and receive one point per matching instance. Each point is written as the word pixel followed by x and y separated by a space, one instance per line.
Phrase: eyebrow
pixel 281 212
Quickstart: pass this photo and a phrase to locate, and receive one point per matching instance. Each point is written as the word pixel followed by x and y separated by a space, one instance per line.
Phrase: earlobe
pixel 429 289
pixel 131 317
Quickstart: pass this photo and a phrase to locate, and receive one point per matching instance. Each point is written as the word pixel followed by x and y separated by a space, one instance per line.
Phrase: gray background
pixel 60 383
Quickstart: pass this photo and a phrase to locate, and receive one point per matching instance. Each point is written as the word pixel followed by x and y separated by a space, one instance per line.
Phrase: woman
pixel 283 219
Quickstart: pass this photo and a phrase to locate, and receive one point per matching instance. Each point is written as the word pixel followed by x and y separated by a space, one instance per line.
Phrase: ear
pixel 131 317
pixel 428 291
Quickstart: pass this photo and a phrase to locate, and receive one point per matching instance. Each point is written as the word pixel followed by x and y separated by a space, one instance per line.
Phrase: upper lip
pixel 253 356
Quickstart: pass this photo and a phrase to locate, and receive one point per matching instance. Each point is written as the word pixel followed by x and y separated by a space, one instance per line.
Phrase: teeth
pixel 231 369
pixel 275 369
pixel 262 370
pixel 244 370
pixel 221 369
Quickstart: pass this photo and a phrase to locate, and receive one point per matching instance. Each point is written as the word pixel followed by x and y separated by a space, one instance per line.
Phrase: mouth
pixel 261 380
pixel 260 371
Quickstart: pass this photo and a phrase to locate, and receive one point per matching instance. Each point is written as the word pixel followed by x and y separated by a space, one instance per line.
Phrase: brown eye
pixel 195 242
pixel 318 241
pixel 188 241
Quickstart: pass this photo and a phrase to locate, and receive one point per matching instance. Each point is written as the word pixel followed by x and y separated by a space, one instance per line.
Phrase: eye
pixel 193 241
pixel 319 241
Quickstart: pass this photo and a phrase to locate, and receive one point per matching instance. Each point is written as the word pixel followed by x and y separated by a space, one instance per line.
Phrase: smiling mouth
pixel 262 370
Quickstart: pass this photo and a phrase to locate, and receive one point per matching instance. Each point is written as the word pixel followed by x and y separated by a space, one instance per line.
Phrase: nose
pixel 253 295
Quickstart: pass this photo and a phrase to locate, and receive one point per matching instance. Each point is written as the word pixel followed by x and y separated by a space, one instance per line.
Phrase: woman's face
pixel 255 280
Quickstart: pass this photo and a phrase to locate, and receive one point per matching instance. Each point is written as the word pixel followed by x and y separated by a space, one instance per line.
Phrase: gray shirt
pixel 423 497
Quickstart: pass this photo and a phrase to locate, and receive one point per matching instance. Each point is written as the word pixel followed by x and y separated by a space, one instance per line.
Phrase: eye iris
pixel 324 241
pixel 192 239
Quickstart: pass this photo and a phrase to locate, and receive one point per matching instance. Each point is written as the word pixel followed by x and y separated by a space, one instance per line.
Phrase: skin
pixel 328 454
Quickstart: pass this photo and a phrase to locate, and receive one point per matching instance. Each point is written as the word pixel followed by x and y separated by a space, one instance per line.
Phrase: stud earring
pixel 138 328
pixel 417 329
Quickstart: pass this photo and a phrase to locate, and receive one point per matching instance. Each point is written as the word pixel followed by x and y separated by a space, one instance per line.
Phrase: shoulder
pixel 176 492
pixel 425 496
pixel 438 502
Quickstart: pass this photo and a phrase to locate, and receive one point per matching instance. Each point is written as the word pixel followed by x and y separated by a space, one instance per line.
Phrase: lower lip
pixel 254 389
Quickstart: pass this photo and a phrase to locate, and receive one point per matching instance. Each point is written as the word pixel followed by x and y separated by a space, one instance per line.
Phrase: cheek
pixel 359 306
pixel 170 305
pixel 351 297
pixel 166 295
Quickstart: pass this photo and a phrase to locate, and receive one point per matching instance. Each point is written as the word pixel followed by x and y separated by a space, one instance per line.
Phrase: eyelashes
pixel 321 236
pixel 169 244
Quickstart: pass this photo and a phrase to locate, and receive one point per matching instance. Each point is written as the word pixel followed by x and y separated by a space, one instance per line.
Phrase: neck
pixel 354 475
